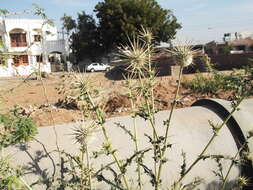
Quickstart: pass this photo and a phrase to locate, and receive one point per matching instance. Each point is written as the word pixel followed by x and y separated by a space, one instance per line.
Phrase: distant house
pixel 215 48
pixel 241 46
pixel 232 47
pixel 29 45
pixel 228 37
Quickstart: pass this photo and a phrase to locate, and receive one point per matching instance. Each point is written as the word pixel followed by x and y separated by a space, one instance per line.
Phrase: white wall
pixel 9 70
pixel 31 27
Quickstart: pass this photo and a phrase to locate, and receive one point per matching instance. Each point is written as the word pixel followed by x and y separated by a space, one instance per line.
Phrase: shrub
pixel 16 129
pixel 234 81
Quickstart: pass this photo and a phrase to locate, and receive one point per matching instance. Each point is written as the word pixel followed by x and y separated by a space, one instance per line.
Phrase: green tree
pixel 119 18
pixel 85 40
pixel 68 23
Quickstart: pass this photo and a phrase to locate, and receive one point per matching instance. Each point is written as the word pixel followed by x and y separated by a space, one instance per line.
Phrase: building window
pixel 18 40
pixel 20 60
pixel 37 38
pixel 239 48
pixel 39 58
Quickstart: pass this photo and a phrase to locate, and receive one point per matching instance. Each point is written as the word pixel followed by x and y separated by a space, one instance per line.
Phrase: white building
pixel 238 36
pixel 29 45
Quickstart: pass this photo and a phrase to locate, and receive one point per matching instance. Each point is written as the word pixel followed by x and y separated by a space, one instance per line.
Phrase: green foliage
pixel 3 57
pixel 235 81
pixel 15 129
pixel 227 49
pixel 119 18
pixel 68 23
pixel 85 41
pixel 39 11
pixel 10 177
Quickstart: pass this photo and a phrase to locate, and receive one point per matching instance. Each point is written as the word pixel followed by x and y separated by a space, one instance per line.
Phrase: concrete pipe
pixel 190 131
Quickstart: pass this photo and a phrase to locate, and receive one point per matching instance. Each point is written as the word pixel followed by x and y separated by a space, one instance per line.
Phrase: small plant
pixel 14 129
pixel 11 178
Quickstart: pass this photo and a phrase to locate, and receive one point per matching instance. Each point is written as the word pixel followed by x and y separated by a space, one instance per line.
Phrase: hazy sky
pixel 202 20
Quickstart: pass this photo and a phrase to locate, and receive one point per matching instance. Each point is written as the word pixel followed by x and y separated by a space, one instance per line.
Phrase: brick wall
pixel 220 62
pixel 231 61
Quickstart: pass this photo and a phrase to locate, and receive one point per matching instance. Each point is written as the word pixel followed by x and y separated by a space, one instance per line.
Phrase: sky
pixel 202 20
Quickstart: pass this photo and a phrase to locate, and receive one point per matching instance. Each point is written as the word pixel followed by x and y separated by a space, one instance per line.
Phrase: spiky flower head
pixel 81 82
pixel 146 35
pixel 135 55
pixel 243 181
pixel 84 132
pixel 183 53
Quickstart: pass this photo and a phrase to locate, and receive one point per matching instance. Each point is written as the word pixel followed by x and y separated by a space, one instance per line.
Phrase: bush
pixel 234 81
pixel 16 129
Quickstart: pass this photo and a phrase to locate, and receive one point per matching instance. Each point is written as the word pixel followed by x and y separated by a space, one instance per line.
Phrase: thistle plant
pixel 82 135
pixel 183 54
pixel 85 94
pixel 138 55
pixel 140 83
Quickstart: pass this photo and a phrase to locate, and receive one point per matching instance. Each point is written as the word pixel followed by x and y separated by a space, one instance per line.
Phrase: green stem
pixel 231 165
pixel 211 140
pixel 101 121
pixel 82 168
pixel 88 166
pixel 153 103
pixel 136 145
pixel 149 111
pixel 25 184
pixel 152 122
pixel 169 121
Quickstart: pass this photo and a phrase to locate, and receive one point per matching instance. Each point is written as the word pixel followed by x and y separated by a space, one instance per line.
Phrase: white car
pixel 97 67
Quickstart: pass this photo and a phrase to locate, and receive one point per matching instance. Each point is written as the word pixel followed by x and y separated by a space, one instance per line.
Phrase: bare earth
pixel 39 102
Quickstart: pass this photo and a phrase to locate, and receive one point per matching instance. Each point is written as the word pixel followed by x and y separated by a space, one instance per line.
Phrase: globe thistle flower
pixel 146 35
pixel 243 181
pixel 135 55
pixel 84 133
pixel 183 53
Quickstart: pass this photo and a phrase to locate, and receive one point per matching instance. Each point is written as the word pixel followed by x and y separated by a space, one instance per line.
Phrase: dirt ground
pixel 38 101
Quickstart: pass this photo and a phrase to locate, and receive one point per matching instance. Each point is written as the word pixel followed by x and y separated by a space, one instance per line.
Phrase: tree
pixel 68 23
pixel 85 40
pixel 119 18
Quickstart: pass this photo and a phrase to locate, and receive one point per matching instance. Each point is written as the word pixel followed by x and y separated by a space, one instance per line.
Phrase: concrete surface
pixel 189 132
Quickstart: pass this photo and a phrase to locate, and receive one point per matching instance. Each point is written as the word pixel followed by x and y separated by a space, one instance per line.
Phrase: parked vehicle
pixel 97 67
